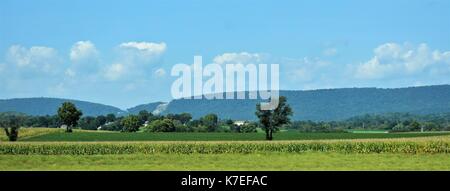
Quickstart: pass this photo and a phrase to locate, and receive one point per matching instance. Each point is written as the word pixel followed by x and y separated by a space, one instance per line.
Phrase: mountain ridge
pixel 48 106
pixel 316 105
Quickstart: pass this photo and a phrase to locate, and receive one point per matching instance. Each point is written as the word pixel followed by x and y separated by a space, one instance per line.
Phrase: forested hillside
pixel 331 104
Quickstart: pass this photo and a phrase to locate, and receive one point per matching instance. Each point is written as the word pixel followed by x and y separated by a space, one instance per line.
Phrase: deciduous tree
pixel 131 123
pixel 69 115
pixel 271 120
pixel 11 125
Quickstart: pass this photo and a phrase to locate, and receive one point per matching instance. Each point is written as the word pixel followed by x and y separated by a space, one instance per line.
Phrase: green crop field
pixel 53 149
pixel 404 146
pixel 288 135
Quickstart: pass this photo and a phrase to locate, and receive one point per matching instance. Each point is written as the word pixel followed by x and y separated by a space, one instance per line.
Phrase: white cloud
pixel 160 72
pixel 83 50
pixel 27 71
pixel 137 60
pixel 31 71
pixel 295 72
pixel 306 69
pixel 238 58
pixel 395 59
pixel 374 69
pixel 84 59
pixel 441 57
pixel 114 71
pixel 144 50
pixel 37 58
pixel 146 46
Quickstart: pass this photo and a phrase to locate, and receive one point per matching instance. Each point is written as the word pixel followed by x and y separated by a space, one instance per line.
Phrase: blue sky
pixel 121 52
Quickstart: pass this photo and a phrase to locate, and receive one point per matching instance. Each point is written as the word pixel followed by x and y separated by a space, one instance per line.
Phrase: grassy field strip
pixel 261 161
pixel 354 146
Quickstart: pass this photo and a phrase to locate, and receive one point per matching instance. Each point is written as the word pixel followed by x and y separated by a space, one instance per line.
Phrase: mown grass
pixel 289 135
pixel 258 161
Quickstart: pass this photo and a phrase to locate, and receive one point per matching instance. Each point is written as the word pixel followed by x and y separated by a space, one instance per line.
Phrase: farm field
pixel 31 132
pixel 288 135
pixel 262 161
pixel 52 149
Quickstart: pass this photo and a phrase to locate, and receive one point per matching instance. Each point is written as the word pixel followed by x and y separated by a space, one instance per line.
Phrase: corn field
pixel 101 148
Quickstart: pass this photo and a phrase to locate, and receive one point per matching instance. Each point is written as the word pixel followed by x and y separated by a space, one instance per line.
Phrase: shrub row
pixel 225 147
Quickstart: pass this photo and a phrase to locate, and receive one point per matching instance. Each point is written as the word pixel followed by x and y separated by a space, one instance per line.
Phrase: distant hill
pixel 330 104
pixel 150 107
pixel 317 105
pixel 49 106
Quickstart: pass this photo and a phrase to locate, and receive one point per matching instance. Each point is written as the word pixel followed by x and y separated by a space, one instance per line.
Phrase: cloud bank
pixel 139 68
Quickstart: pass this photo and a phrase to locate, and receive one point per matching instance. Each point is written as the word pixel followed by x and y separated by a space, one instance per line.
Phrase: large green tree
pixel 144 116
pixel 210 121
pixel 88 123
pixel 69 115
pixel 271 120
pixel 110 117
pixel 131 123
pixel 11 125
pixel 184 118
pixel 161 125
pixel 248 128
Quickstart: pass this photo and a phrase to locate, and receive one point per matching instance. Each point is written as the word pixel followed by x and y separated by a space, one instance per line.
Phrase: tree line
pixel 144 121
pixel 392 122
pixel 69 117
